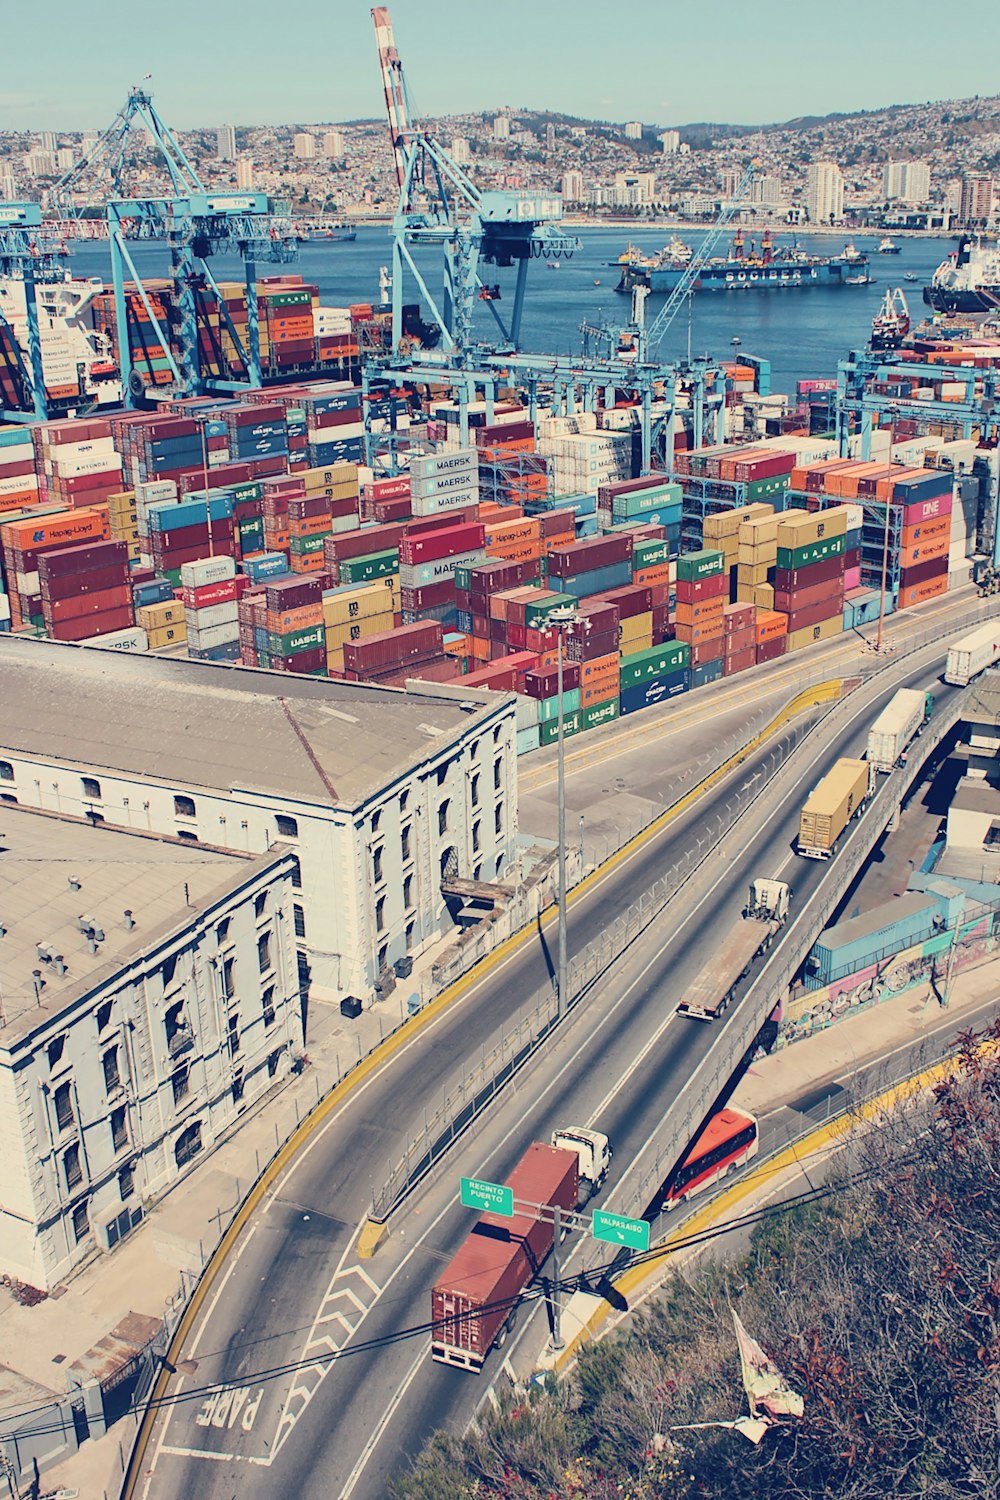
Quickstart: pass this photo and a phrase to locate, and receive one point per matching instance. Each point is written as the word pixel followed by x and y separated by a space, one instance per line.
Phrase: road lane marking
pixel 209 1453
pixel 376 1437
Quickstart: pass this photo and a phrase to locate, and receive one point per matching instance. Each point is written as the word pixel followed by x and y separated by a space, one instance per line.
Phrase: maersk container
pixel 895 727
pixel 973 654
pixel 831 805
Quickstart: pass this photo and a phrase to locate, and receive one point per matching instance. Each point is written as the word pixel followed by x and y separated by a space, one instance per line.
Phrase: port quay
pixel 497 630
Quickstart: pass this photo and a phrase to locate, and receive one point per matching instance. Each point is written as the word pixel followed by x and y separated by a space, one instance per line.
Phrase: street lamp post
pixel 564 621
pixel 202 421
pixel 891 414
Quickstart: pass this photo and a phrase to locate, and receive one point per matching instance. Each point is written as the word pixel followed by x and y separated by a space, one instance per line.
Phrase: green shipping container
pixel 306 639
pixel 760 489
pixel 303 545
pixel 641 502
pixel 813 552
pixel 548 733
pixel 656 661
pixel 372 565
pixel 535 614
pixel 650 554
pixel 463 578
pixel 289 299
pixel 599 713
pixel 693 566
pixel 548 708
pixel 244 492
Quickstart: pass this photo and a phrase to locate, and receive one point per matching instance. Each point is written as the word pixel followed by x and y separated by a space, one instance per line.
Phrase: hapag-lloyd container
pixel 409 642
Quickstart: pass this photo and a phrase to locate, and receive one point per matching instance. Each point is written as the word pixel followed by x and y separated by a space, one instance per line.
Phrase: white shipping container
pixel 973 654
pixel 206 570
pixel 214 615
pixel 894 728
pixel 18 482
pixel 149 490
pixel 100 463
pixel 206 639
pixel 132 639
pixel 434 465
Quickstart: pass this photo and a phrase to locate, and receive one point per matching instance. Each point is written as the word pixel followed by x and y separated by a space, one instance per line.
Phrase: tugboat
pixel 888 246
pixel 891 323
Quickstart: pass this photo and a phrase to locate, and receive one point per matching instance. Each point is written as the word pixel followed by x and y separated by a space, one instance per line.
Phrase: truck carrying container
pixel 713 988
pixel 973 654
pixel 474 1301
pixel 832 804
pixel 903 717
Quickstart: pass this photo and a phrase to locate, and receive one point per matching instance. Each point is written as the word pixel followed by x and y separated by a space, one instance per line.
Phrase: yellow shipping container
pixel 358 603
pixel 763 596
pixel 356 630
pixel 333 474
pixel 633 629
pixel 153 616
pixel 746 593
pixel 335 660
pixel 800 528
pixel 810 634
pixel 831 805
pixel 166 635
pixel 755 529
pixel 718 528
pixel 755 572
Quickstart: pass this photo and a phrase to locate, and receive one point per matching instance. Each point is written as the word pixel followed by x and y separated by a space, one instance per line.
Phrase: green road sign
pixel 618 1230
pixel 487 1197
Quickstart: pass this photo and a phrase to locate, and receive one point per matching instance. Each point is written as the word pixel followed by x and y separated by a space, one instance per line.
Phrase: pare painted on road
pixel 227 1408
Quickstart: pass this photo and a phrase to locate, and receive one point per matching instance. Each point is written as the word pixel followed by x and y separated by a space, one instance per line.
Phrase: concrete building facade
pixel 381 795
pixel 150 995
pixel 825 192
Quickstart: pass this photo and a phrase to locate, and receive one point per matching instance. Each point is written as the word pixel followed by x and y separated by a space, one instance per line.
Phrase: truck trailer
pixel 830 806
pixel 714 986
pixel 903 717
pixel 973 654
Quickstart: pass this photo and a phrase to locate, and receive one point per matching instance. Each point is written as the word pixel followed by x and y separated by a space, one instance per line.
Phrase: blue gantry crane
pixel 28 254
pixel 440 206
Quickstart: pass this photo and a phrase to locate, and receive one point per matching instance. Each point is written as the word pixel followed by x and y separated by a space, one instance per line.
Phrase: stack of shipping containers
pixel 699 621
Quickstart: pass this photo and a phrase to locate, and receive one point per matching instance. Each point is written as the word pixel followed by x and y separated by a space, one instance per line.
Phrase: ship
pixel 888 246
pixel 79 363
pixel 967 281
pixel 891 323
pixel 335 233
pixel 675 253
pixel 771 268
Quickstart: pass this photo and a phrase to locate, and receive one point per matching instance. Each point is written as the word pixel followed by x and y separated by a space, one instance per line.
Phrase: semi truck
pixel 973 654
pixel 830 806
pixel 712 989
pixel 903 717
pixel 474 1301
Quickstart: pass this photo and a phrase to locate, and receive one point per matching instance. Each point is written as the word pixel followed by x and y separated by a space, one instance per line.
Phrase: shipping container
pixel 830 806
pixel 973 654
pixel 903 716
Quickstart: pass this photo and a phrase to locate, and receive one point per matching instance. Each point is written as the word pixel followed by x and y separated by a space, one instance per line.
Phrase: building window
pixel 272 1063
pixel 287 827
pixel 103 1016
pixel 409 936
pixel 8 797
pixel 296 874
pixel 475 790
pixel 237 1088
pixel 234 1033
pixel 404 843
pixel 91 788
pixel 497 733
pixel 229 977
pixel 404 801
pixel 180 1083
pixel 442 772
pixel 6 771
pixel 184 807
pixel 380 914
pixel 263 953
pixel 55 1050
pixel 119 1129
pixel 408 891
pixel 497 774
pixel 63 1103
pixel 376 820
pixel 475 837
pixel 81 1222
pixel 260 903
pixel 498 817
pixel 72 1171
pixel 178 1030
pixel 377 866
pixel 267 1005
pixel 299 918
pixel 126 1182
pixel 186 836
pixel 303 971
pixel 222 931
pixel 109 1062
pixel 188 1144
pixel 383 958
pixel 443 816
pixel 167 969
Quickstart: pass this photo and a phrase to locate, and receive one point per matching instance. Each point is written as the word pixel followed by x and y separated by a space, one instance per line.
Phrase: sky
pixel 313 61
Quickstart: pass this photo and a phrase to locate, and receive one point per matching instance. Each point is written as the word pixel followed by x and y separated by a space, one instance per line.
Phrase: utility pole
pixel 564 621
pixel 891 414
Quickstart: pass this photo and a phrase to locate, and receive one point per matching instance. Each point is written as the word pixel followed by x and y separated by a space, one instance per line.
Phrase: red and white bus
pixel 727 1142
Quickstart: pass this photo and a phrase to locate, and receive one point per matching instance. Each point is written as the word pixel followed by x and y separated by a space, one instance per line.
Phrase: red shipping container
pixel 210 593
pixel 75 585
pixel 430 596
pixel 81 605
pixel 582 647
pixel 450 541
pixel 389 489
pixel 543 682
pixel 303 507
pixel 392 510
pixel 739 661
pixel 393 647
pixel 795 601
pixel 772 649
pixel 738 641
pixel 293 593
pixel 601 616
pixel 789 579
pixel 815 614
pixel 706 651
pixel 607 492
pixel 83 629
pixel 738 617
pixel 595 552
pixel 696 591
pixel 921 572
pixel 636 599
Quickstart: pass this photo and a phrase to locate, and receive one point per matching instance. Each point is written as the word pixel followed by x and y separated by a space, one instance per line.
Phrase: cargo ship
pixel 967 281
pixel 330 233
pixel 769 268
pixel 888 246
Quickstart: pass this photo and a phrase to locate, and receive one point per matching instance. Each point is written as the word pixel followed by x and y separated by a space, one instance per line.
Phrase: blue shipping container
pixel 709 671
pixel 595 580
pixel 645 694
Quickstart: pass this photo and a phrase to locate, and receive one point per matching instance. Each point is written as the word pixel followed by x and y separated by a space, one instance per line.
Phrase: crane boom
pixel 394 86
pixel 670 309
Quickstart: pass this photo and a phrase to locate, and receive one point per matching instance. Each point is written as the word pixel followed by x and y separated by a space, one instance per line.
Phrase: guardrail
pixel 744 1021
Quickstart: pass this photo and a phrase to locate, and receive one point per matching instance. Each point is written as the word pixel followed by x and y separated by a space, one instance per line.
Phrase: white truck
pixel 593 1153
pixel 712 989
pixel 973 654
pixel 904 716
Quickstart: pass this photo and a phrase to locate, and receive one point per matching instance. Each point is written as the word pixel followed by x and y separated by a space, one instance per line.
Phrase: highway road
pixel 295 1292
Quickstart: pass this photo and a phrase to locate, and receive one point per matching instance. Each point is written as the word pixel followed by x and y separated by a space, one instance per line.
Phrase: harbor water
pixel 802 332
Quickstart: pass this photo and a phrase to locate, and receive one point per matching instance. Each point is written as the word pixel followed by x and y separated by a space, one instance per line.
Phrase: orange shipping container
pixel 919 593
pixel 708 613
pixel 287 620
pixel 699 635
pixel 927 531
pixel 658 573
pixel 602 670
pixel 87 524
pixel 479 648
pixel 770 625
pixel 922 551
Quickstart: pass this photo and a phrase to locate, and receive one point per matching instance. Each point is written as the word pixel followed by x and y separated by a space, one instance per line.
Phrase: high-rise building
pixel 670 141
pixel 550 136
pixel 88 141
pixel 633 130
pixel 633 189
pixel 333 144
pixel 976 206
pixel 571 186
pixel 225 143
pixel 907 181
pixel 244 172
pixel 825 192
pixel 766 189
pixel 501 128
pixel 8 189
pixel 460 150
pixel 303 146
pixel 729 181
pixel 65 158
pixel 40 164
pixel 47 140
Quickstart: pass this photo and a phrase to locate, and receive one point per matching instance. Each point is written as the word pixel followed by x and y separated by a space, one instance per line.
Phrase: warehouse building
pixel 148 995
pixel 382 796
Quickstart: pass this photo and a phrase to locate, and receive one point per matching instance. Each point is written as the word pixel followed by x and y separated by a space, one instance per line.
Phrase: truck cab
pixel 593 1152
pixel 768 899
